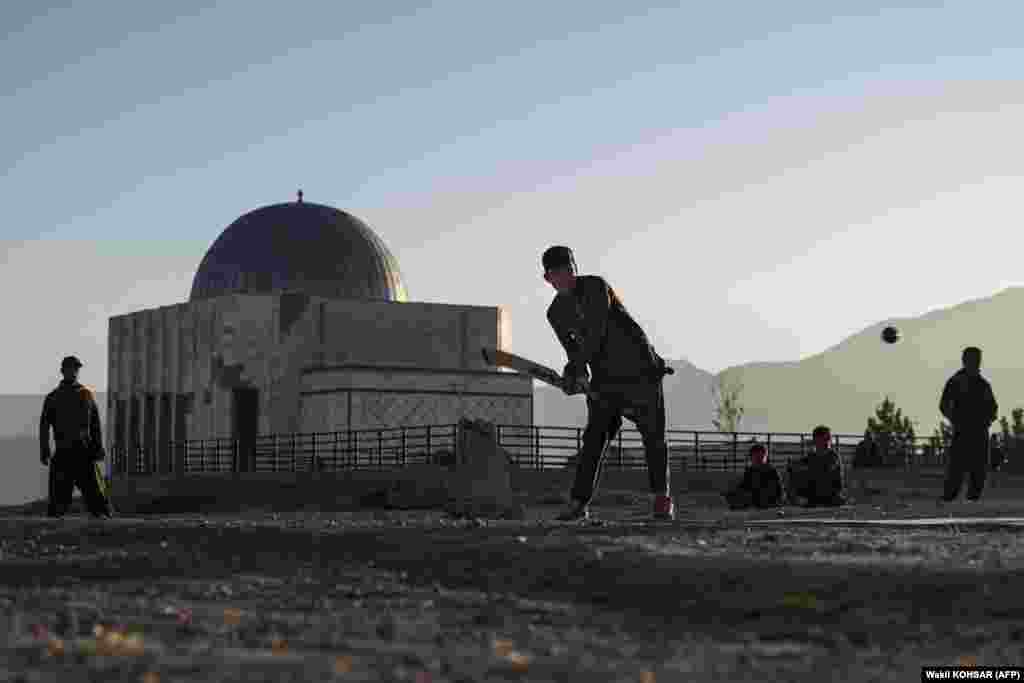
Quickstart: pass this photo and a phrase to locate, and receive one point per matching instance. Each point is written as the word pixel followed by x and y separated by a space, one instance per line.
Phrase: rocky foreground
pixel 418 596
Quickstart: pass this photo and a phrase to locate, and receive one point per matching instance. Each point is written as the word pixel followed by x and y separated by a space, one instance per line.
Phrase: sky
pixel 757 180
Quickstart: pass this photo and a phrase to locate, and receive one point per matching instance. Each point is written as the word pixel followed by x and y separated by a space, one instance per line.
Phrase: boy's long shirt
pixel 764 482
pixel 968 402
pixel 823 466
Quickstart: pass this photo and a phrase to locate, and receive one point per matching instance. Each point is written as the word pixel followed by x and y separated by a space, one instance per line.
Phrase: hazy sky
pixel 757 179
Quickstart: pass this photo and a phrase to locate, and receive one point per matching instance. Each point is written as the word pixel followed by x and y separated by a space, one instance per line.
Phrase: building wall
pixel 367 398
pixel 317 363
pixel 416 335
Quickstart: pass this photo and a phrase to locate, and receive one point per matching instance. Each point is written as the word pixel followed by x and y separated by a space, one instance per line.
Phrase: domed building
pixel 298 322
pixel 299 246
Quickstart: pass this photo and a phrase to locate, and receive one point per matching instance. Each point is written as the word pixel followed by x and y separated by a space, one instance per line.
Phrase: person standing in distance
pixel 970 406
pixel 70 411
pixel 625 375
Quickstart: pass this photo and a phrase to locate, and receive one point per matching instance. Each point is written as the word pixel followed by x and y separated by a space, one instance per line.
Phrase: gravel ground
pixel 417 596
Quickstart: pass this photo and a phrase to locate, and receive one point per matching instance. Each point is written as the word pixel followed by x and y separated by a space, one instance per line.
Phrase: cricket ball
pixel 890 335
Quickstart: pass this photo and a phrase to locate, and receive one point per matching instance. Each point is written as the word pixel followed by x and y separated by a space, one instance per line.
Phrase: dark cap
pixel 558 257
pixel 70 361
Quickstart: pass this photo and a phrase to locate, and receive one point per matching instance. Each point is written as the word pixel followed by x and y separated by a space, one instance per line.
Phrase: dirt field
pixel 377 595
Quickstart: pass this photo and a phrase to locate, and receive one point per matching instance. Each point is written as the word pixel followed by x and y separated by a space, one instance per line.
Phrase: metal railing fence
pixel 528 446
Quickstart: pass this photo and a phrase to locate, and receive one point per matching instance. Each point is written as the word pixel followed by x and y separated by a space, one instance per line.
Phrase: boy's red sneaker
pixel 663 508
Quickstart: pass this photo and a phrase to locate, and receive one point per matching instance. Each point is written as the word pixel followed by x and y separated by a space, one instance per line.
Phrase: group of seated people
pixel 815 479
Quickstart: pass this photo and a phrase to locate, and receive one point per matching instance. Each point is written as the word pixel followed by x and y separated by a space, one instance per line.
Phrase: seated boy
pixel 761 485
pixel 818 477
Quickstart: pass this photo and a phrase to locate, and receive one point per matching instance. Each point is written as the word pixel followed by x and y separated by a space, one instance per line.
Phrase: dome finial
pixel 300 196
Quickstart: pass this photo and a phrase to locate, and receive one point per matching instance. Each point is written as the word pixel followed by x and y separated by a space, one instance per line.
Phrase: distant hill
pixel 842 386
pixel 24 477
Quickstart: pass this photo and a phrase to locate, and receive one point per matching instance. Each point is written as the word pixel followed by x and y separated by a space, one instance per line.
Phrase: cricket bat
pixel 504 359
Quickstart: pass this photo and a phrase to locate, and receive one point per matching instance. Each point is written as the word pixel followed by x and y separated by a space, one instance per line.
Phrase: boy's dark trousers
pixel 644 405
pixel 68 469
pixel 968 454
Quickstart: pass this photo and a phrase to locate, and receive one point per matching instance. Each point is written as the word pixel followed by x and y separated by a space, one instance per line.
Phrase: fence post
pixel 380 449
pixel 541 457
pixel 538 458
pixel 353 437
pixel 294 454
pixel 430 451
pixel 403 446
pixel 456 447
pixel 351 450
pixel 698 460
pixel 315 463
pixel 735 451
pixel 498 438
pixel 277 451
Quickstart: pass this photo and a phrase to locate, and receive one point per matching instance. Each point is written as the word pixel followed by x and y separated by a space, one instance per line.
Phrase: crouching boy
pixel 761 485
pixel 818 478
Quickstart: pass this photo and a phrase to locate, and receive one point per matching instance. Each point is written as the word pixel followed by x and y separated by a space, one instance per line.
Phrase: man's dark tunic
pixel 70 411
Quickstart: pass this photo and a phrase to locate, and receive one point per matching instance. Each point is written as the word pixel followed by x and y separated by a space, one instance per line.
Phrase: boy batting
pixel 625 375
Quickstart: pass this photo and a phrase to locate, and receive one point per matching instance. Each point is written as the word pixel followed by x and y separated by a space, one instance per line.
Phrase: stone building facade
pixel 255 352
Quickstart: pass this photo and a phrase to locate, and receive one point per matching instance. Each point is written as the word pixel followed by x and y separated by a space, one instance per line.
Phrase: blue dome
pixel 299 246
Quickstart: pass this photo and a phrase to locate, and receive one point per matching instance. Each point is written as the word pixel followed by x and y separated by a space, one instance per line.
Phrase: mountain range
pixel 843 385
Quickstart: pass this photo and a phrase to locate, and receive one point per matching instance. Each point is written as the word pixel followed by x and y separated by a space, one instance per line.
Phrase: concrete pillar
pixel 136 383
pixel 186 362
pixel 180 434
pixel 134 431
pixel 199 371
pixel 149 373
pixel 170 385
pixel 113 351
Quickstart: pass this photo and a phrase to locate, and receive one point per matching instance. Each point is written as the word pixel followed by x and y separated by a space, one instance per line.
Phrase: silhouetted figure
pixel 761 485
pixel 626 378
pixel 71 411
pixel 968 403
pixel 868 453
pixel 818 477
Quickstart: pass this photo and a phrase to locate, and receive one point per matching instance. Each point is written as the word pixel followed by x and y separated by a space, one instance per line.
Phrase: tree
pixel 728 408
pixel 1013 433
pixel 1004 428
pixel 892 430
pixel 942 437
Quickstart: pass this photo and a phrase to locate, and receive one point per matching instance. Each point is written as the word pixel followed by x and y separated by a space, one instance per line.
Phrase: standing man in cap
pixel 625 378
pixel 71 411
